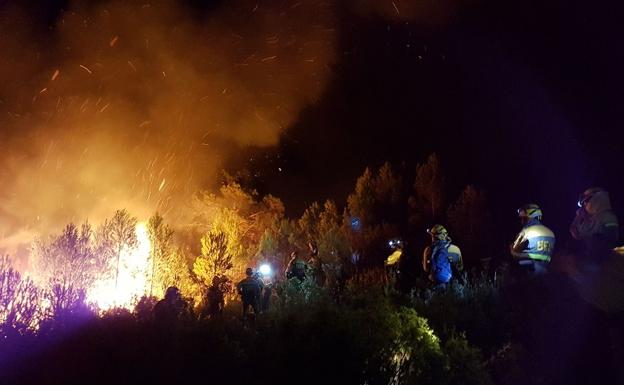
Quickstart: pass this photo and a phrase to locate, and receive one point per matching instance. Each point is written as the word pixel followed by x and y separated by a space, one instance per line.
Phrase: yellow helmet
pixel 438 232
pixel 530 210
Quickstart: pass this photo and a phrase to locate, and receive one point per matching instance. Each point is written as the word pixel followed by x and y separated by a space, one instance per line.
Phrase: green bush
pixel 307 338
pixel 473 306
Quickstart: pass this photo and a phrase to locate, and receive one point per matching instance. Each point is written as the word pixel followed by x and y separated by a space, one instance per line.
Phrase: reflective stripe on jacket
pixel 535 241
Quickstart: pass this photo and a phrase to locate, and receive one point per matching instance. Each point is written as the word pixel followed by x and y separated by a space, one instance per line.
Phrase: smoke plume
pixel 137 105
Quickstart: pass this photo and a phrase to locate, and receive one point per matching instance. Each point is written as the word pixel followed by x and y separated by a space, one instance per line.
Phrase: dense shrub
pixel 309 338
pixel 473 306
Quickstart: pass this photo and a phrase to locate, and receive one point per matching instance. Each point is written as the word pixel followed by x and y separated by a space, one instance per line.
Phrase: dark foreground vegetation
pixel 472 333
pixel 355 328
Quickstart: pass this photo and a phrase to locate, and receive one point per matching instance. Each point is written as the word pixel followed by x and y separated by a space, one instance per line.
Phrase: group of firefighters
pixel 595 226
pixel 255 289
pixel 596 271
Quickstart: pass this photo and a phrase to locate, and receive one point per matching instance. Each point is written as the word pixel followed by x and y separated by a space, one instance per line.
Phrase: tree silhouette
pixel 309 222
pixel 362 200
pixel 378 206
pixel 427 200
pixel 469 223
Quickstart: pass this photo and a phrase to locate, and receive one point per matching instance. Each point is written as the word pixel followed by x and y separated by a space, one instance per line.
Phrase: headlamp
pixel 265 269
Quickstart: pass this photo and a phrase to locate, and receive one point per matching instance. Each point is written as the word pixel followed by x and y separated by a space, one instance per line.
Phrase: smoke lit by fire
pixel 129 105
pixel 137 105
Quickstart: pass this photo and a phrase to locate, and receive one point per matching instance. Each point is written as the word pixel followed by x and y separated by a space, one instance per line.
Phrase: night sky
pixel 520 98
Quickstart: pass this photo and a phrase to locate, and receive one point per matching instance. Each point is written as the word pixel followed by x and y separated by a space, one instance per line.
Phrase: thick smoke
pixel 133 105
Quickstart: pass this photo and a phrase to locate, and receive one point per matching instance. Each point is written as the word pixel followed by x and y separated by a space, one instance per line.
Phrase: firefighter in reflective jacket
pixel 535 243
pixel 297 267
pixel 393 262
pixel 440 256
pixel 396 245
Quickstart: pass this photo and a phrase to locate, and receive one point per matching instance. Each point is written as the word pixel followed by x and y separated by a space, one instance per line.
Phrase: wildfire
pixel 133 279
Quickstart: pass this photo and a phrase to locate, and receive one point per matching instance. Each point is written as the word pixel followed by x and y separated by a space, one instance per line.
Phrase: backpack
pixel 440 263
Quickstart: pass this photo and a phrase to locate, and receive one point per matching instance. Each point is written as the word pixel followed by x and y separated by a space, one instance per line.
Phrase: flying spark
pixel 86 69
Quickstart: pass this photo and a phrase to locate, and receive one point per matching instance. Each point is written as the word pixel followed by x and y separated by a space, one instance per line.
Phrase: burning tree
pixel 119 235
pixel 108 267
pixel 161 239
pixel 241 218
pixel 69 259
pixel 126 247
pixel 215 260
pixel 168 264
pixel 19 301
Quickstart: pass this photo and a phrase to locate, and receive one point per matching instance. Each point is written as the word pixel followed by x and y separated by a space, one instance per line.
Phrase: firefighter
pixel 172 308
pixel 534 245
pixel 595 224
pixel 250 290
pixel 297 268
pixel 599 268
pixel 215 296
pixel 315 266
pixel 439 258
pixel 393 262
pixel 265 275
pixel 597 272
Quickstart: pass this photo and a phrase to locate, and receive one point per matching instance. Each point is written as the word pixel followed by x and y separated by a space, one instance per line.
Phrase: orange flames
pixel 133 279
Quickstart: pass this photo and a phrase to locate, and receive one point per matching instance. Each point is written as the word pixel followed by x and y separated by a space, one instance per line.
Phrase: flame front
pixel 133 279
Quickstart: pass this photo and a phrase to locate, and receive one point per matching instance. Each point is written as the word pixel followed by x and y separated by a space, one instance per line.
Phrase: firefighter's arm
pixel 426 262
pixel 519 246
pixel 582 225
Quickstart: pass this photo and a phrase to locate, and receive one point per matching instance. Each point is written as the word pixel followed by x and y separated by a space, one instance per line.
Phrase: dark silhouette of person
pixel 315 266
pixel 297 267
pixel 597 273
pixel 171 308
pixel 250 290
pixel 215 297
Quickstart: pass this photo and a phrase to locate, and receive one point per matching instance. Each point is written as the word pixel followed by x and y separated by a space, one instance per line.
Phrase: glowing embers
pixel 133 277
